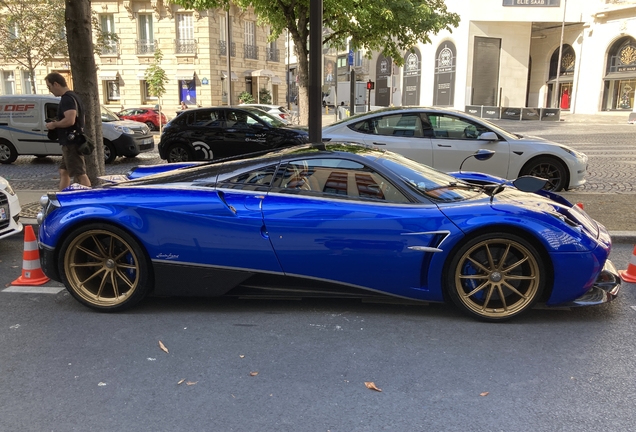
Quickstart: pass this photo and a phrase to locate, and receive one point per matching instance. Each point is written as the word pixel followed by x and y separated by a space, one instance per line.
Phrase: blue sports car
pixel 335 219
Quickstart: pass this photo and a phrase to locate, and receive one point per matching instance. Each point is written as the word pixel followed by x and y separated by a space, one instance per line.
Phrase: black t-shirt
pixel 67 102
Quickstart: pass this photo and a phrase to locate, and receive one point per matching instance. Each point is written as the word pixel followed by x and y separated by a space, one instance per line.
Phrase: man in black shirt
pixel 73 164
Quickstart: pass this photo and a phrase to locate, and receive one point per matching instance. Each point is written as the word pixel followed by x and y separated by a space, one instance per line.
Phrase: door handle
pixel 36 130
pixel 377 143
pixel 443 145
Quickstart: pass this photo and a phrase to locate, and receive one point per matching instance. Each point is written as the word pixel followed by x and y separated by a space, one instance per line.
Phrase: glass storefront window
pixel 624 94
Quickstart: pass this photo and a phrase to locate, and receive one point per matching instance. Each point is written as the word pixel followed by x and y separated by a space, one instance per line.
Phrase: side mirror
pixel 480 155
pixel 489 136
pixel 529 183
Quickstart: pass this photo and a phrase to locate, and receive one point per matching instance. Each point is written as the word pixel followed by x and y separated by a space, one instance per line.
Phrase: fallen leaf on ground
pixel 484 394
pixel 163 347
pixel 191 382
pixel 181 381
pixel 371 385
pixel 253 373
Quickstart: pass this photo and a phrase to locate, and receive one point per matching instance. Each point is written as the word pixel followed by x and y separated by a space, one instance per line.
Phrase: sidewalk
pixel 614 210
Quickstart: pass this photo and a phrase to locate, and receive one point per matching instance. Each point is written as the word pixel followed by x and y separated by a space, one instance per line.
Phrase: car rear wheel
pixel 110 154
pixel 495 277
pixel 179 153
pixel 105 268
pixel 8 153
pixel 550 169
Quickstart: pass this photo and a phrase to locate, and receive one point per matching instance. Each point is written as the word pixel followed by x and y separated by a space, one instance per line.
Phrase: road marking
pixel 33 289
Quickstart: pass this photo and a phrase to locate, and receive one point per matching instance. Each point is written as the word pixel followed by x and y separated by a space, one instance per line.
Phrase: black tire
pixel 549 168
pixel 151 126
pixel 179 152
pixel 8 153
pixel 105 268
pixel 495 277
pixel 110 153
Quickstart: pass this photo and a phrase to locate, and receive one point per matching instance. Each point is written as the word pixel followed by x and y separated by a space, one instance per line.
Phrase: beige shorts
pixel 72 161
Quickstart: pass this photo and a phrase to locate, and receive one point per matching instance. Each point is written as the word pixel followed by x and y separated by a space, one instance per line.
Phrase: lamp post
pixel 556 82
pixel 228 51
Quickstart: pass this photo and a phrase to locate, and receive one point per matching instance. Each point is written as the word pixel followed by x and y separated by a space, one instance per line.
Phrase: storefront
pixel 620 76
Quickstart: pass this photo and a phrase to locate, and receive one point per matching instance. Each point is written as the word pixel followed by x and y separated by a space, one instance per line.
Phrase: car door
pixel 205 132
pixel 244 133
pixel 402 133
pixel 338 220
pixel 27 126
pixel 456 138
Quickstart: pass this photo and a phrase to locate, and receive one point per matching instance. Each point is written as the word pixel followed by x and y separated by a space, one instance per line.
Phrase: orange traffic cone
pixel 32 273
pixel 629 275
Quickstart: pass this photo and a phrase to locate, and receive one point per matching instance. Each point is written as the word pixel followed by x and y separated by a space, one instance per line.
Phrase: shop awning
pixel 276 80
pixel 184 74
pixel 108 75
pixel 263 73
pixel 234 75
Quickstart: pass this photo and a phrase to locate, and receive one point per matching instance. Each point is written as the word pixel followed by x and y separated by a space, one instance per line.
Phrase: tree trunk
pixel 84 73
pixel 303 75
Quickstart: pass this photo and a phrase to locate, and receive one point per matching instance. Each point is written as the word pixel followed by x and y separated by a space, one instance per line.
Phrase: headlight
pixel 574 153
pixel 9 190
pixel 124 129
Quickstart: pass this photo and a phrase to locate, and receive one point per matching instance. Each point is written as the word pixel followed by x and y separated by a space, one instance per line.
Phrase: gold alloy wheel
pixel 497 278
pixel 102 268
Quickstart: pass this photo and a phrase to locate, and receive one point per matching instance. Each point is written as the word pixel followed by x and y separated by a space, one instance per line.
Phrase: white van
pixel 23 130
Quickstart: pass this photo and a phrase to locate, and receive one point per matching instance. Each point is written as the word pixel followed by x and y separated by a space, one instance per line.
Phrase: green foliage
pixel 391 27
pixel 156 77
pixel 32 32
pixel 265 96
pixel 246 97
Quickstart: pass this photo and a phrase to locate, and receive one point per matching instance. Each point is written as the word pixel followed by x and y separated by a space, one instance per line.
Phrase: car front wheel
pixel 550 169
pixel 104 268
pixel 110 154
pixel 495 277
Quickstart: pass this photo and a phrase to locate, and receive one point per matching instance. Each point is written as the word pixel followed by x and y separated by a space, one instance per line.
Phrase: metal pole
pixel 315 71
pixel 288 88
pixel 556 82
pixel 228 53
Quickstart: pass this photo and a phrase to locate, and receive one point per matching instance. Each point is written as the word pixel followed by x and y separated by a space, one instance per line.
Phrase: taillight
pixel 283 116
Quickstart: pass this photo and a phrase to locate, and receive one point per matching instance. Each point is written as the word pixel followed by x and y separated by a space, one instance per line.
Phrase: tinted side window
pixel 209 118
pixel 254 179
pixel 402 125
pixel 452 127
pixel 336 178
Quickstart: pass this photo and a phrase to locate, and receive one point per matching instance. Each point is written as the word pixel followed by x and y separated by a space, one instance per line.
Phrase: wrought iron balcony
pixel 110 48
pixel 185 46
pixel 145 46
pixel 251 51
pixel 272 54
pixel 223 48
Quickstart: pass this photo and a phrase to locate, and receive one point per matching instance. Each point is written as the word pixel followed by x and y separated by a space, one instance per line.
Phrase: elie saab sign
pixel 530 3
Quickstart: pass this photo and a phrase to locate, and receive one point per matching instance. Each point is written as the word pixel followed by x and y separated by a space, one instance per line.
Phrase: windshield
pixel 427 181
pixel 269 119
pixel 108 115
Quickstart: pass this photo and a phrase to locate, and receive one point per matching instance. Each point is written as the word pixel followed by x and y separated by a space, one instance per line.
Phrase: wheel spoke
pixel 90 253
pixel 502 260
pixel 512 266
pixel 113 281
pixel 476 290
pixel 124 277
pixel 87 264
pixel 514 290
pixel 478 264
pixel 491 261
pixel 492 288
pixel 101 285
pixel 520 277
pixel 503 298
pixel 99 245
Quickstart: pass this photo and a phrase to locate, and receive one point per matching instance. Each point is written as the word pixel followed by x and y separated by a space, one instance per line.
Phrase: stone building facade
pixel 194 47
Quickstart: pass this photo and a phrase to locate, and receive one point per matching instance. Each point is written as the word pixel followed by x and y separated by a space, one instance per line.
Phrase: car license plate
pixel 147 141
pixel 3 214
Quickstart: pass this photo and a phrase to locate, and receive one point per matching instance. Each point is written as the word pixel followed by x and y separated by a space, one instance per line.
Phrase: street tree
pixel 32 33
pixel 157 79
pixel 79 29
pixel 390 27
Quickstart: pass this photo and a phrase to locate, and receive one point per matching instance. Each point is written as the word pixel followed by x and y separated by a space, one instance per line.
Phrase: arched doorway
pixel 411 77
pixel 620 75
pixel 563 97
pixel 444 90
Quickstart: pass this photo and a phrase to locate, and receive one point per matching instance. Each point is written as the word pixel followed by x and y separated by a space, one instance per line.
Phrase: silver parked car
pixel 443 139
pixel 276 110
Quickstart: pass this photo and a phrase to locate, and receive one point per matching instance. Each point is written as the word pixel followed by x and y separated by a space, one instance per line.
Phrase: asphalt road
pixel 302 365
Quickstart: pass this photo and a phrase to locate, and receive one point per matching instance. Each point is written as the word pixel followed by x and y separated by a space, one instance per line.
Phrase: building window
pixel 251 50
pixel 26 83
pixel 13 30
pixel 147 96
pixel 185 43
pixel 146 42
pixel 8 82
pixel 620 75
pixel 107 23
pixel 272 52
pixel 112 91
pixel 223 38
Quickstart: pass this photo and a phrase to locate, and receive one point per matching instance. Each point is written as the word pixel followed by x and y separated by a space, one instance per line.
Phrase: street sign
pixel 350 58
